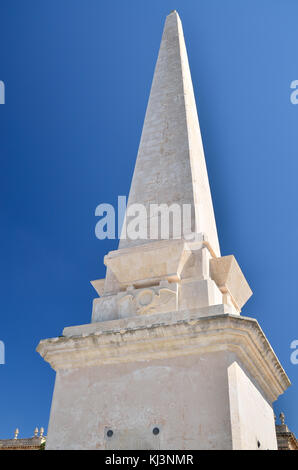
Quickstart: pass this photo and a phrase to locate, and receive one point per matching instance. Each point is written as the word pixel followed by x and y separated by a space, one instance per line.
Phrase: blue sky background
pixel 78 75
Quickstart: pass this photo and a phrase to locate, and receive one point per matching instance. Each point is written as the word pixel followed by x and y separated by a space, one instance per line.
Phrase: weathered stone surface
pixel 170 166
pixel 252 417
pixel 148 263
pixel 226 272
pixel 187 397
pixel 164 336
pixel 131 302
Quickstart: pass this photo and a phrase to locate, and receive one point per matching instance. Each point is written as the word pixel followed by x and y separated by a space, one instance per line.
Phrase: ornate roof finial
pixel 16 433
pixel 41 431
pixel 36 432
pixel 282 418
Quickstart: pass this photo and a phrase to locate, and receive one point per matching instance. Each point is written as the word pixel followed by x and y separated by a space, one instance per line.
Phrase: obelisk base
pixel 185 381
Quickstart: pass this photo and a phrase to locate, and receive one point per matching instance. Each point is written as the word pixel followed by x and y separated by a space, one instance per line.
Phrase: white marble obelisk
pixel 167 362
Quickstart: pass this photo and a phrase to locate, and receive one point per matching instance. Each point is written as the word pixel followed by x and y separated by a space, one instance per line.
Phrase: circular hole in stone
pixel 155 431
pixel 110 433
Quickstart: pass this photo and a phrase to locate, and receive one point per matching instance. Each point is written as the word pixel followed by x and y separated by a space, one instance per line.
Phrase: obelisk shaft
pixel 170 167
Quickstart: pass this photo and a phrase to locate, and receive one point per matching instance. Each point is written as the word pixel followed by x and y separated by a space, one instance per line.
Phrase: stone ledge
pixel 180 336
pixel 145 321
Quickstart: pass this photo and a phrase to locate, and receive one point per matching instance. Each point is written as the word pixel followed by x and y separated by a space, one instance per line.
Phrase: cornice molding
pixel 169 338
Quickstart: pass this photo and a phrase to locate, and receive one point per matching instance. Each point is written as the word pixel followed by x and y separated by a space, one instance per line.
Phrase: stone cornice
pixel 181 335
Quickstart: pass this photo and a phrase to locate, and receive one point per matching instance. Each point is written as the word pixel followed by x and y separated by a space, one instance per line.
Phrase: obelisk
pixel 167 362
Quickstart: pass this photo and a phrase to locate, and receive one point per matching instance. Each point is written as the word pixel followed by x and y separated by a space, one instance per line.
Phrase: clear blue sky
pixel 78 75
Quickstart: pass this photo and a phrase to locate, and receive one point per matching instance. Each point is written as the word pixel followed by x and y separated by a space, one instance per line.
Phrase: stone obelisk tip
pixel 173 13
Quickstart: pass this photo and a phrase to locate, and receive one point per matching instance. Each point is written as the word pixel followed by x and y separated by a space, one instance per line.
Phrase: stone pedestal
pixel 198 379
